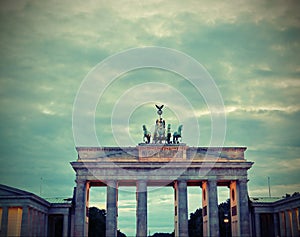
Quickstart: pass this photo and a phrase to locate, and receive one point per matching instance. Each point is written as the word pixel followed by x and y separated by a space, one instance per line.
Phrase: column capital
pixel 80 182
pixel 209 182
pixel 212 181
pixel 243 181
pixel 141 186
pixel 181 183
pixel 112 183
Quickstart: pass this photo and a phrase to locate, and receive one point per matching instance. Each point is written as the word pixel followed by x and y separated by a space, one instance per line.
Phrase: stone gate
pixel 176 165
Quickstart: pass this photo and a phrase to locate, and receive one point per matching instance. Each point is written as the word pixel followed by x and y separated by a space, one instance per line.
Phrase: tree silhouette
pixel 97 223
pixel 196 224
pixel 196 221
pixel 97 220
pixel 163 235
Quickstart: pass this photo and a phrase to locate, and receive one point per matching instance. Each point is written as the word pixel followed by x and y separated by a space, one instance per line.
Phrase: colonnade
pixel 288 222
pixel 238 197
pixel 23 221
pixel 285 223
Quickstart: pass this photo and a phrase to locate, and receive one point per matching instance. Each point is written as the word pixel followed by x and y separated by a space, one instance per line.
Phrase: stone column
pixel 175 186
pixel 25 221
pixel 40 223
pixel 4 223
pixel 257 224
pixel 288 223
pixel 35 222
pixel 294 223
pixel 43 217
pixel 210 208
pixel 181 208
pixel 30 228
pixel 111 209
pixel 282 224
pixel 39 228
pixel 244 207
pixel 276 224
pixel 141 210
pixel 65 225
pixel 81 206
pixel 46 224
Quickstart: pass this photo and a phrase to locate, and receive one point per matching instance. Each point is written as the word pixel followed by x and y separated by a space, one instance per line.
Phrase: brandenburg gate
pixel 163 162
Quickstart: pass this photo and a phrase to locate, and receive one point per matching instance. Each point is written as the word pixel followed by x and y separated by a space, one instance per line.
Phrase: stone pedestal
pixel 141 209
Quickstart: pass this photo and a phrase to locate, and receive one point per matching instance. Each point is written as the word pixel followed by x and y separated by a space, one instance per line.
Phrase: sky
pixel 250 49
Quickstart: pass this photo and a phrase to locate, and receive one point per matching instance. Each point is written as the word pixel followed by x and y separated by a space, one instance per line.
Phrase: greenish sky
pixel 251 49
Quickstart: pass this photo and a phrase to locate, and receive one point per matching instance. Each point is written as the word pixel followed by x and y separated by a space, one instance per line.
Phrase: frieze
pixel 162 153
pixel 229 153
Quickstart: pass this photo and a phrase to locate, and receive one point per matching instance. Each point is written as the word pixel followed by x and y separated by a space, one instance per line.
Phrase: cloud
pixel 251 50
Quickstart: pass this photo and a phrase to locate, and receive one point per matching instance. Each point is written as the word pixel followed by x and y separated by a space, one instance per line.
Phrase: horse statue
pixel 168 134
pixel 177 135
pixel 147 134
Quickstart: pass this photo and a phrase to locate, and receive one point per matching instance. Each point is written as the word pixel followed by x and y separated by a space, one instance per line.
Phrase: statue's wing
pixel 159 107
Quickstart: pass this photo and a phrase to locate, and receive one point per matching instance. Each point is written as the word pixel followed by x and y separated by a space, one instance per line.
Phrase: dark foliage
pixel 97 223
pixel 196 224
pixel 163 235
pixel 97 220
pixel 196 221
pixel 120 234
